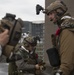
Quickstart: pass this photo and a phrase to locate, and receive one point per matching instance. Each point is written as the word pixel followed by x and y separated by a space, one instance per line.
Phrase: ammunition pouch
pixel 15 29
pixel 53 57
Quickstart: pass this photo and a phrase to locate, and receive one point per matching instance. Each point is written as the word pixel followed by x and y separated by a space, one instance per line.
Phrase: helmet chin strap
pixel 58 17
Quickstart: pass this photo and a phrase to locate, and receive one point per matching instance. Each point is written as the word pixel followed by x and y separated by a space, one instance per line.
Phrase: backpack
pixel 15 29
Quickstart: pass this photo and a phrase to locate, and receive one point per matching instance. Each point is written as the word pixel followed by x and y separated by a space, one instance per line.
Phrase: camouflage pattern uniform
pixel 26 65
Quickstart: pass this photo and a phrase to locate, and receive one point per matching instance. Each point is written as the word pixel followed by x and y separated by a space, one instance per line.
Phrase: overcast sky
pixel 24 9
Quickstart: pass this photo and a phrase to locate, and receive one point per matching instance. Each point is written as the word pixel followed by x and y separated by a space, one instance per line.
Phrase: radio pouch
pixel 53 57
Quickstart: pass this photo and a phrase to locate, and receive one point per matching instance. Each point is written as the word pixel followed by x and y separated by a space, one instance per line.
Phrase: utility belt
pixel 34 72
pixel 21 72
pixel 25 71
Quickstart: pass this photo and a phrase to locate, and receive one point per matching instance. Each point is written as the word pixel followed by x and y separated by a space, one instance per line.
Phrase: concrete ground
pixel 3 69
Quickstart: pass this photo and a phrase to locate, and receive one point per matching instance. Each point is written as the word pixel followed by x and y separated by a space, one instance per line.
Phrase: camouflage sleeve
pixel 24 66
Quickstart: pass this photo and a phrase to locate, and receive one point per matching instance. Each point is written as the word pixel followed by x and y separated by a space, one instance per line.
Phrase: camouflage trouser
pixel 12 69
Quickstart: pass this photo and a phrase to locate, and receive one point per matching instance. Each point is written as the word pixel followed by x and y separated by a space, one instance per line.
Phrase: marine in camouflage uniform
pixel 56 12
pixel 28 62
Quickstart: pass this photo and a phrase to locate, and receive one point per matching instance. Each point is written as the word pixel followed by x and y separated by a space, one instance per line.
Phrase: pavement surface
pixel 3 68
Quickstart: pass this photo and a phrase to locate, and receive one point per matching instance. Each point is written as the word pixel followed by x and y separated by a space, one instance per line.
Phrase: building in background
pixel 36 28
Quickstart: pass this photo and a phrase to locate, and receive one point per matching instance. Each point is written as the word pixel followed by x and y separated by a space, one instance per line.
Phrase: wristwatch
pixel 0 50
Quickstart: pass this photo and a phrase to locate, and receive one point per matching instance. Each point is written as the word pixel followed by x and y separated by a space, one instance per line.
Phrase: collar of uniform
pixel 68 22
pixel 66 17
pixel 24 49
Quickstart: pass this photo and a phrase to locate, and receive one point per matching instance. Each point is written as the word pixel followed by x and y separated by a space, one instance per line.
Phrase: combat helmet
pixel 56 5
pixel 31 40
